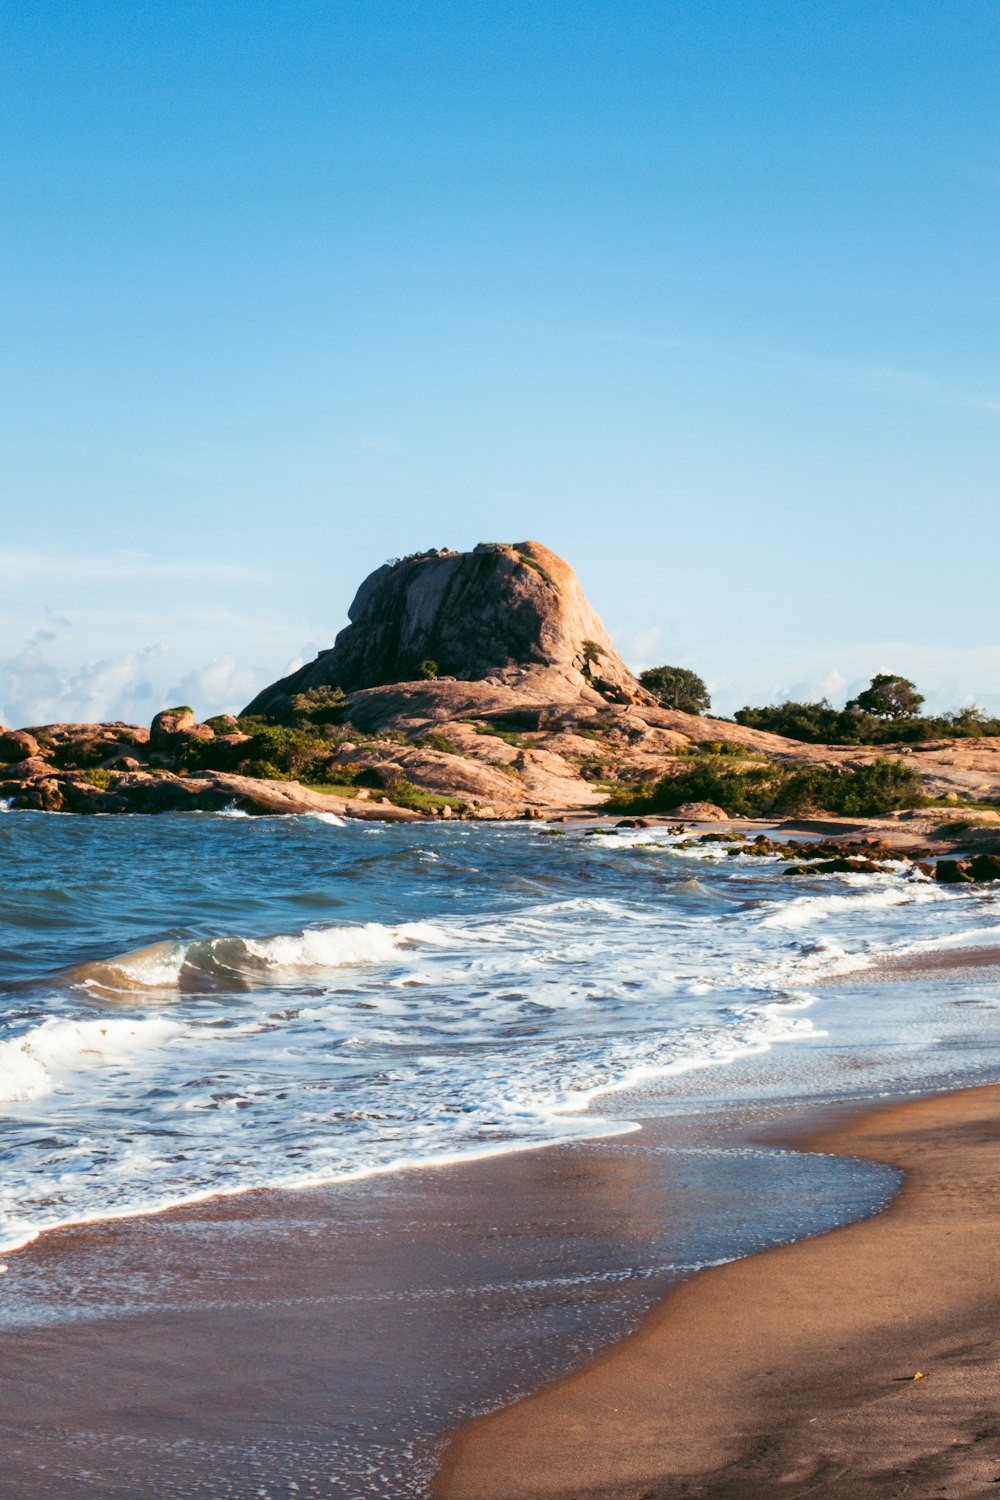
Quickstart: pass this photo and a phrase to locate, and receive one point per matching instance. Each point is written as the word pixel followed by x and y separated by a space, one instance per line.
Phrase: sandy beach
pixel 331 1341
pixel 792 1373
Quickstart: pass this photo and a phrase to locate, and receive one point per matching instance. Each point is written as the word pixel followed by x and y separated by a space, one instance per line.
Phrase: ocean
pixel 205 1004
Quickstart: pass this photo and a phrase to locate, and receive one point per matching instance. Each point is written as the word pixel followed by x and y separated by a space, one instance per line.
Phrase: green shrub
pixel 861 791
pixel 99 779
pixel 822 724
pixel 434 739
pixel 731 749
pixel 428 669
pixel 319 705
pixel 712 778
pixel 273 751
pixel 78 753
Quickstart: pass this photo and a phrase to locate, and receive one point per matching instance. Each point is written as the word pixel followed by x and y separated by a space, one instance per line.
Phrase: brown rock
pixel 699 810
pixel 952 871
pixel 17 745
pixel 172 726
pixel 985 867
pixel 495 612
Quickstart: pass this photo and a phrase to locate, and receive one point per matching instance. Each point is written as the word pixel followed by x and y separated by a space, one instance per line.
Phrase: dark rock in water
pixel 17 745
pixel 469 616
pixel 985 867
pixel 952 871
pixel 839 867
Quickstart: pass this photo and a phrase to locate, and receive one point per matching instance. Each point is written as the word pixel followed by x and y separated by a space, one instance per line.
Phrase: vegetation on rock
pixel 677 688
pixel 764 786
pixel 319 705
pixel 888 696
pixel 822 724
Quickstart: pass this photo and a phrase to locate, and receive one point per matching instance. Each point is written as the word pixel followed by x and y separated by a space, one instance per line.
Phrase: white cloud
pixel 221 686
pixel 38 691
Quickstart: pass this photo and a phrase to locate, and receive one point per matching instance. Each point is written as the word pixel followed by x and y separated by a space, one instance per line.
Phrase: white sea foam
pixel 328 947
pixel 550 974
pixel 32 1064
pixel 807 911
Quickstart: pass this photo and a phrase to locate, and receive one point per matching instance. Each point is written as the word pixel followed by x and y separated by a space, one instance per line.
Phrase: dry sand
pixel 791 1373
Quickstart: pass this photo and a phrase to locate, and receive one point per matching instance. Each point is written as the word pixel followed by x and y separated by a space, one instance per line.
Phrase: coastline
pixel 334 1337
pixel 242 1341
pixel 791 1371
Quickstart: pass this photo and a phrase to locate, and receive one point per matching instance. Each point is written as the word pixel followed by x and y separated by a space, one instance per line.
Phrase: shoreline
pixel 241 1337
pixel 791 1371
pixel 325 1336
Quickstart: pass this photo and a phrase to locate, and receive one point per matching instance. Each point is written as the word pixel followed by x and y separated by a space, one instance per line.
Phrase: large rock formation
pixel 493 613
pixel 532 709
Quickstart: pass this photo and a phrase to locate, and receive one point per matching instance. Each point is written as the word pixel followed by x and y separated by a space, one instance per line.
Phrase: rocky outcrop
pixel 476 684
pixel 490 616
pixel 17 745
pixel 172 726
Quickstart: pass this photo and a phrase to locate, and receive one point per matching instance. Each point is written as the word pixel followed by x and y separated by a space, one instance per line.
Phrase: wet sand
pixel 791 1373
pixel 325 1343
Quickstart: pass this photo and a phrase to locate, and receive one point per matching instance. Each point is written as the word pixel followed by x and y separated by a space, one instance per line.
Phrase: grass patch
pixel 502 732
pixel 99 779
pixel 506 769
pixel 434 739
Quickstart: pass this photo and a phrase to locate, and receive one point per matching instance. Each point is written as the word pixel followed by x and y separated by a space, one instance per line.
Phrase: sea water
pixel 203 1004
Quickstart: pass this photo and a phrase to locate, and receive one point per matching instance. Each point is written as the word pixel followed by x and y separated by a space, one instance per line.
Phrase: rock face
pixel 17 745
pixel 492 613
pixel 171 726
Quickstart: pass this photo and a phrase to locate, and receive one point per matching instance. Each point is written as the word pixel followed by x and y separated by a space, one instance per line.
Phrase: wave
pixel 806 911
pixel 167 966
pixel 30 1064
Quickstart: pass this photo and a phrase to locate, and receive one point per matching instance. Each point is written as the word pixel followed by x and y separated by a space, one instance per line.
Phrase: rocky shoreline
pixel 477 684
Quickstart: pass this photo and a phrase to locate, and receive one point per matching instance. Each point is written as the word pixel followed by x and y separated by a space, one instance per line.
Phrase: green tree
pixel 319 705
pixel 677 687
pixel 888 696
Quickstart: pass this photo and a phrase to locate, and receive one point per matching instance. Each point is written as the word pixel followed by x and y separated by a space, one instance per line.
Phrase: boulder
pixel 17 745
pixel 952 871
pixel 840 866
pixel 696 810
pixel 495 613
pixel 985 867
pixel 171 727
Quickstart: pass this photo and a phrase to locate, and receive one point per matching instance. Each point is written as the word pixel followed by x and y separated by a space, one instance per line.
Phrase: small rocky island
pixel 475 684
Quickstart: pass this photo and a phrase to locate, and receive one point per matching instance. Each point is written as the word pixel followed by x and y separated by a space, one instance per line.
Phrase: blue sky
pixel 701 295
